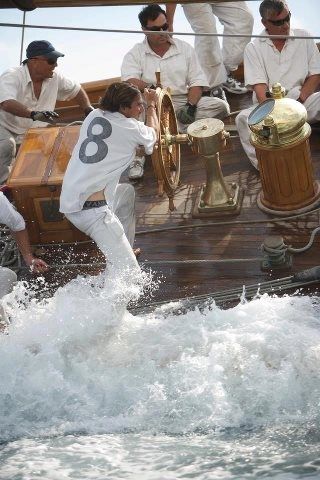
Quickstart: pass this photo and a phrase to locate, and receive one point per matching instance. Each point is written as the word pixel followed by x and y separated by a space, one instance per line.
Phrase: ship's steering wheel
pixel 166 153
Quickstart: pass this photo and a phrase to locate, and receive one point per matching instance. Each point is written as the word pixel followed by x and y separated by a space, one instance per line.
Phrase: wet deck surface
pixel 202 255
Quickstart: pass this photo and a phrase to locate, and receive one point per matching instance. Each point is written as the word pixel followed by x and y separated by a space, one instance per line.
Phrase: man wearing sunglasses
pixel 179 70
pixel 295 63
pixel 28 96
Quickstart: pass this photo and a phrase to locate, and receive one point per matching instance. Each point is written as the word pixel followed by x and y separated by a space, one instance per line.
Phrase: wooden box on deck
pixel 35 182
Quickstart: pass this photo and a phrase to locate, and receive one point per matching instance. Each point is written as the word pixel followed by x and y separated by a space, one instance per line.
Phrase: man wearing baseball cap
pixel 42 48
pixel 28 96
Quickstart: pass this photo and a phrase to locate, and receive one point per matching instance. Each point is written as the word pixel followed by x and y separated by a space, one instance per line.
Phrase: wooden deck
pixel 226 250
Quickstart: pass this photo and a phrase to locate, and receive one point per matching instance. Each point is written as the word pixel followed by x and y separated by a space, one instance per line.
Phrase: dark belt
pixel 93 204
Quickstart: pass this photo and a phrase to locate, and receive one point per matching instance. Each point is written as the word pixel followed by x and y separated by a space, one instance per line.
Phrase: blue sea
pixel 90 391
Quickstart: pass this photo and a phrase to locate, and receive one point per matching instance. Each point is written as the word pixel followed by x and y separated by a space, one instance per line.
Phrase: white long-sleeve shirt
pixel 9 215
pixel 106 146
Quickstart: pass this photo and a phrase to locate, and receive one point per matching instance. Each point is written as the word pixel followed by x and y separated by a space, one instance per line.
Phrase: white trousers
pixel 207 107
pixel 312 105
pixel 236 18
pixel 8 148
pixel 113 232
pixel 7 280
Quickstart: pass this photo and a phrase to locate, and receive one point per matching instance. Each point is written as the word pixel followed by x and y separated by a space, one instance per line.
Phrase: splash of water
pixel 80 362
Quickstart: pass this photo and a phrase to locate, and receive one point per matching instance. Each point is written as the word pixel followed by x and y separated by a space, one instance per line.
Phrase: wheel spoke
pixel 166 159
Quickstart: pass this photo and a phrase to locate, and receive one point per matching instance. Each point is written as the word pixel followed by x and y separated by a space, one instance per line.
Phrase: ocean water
pixel 89 391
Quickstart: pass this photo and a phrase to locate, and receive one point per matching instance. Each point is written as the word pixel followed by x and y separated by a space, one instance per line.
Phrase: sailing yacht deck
pixel 191 256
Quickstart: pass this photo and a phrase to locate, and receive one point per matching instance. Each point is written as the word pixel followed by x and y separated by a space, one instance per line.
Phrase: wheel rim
pixel 166 158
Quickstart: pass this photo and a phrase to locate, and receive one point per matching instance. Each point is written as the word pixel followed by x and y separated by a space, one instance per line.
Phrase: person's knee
pixel 200 17
pixel 128 192
pixel 241 120
pixel 251 21
pixel 245 19
pixel 212 107
pixel 248 19
pixel 222 107
pixel 7 150
pixel 225 108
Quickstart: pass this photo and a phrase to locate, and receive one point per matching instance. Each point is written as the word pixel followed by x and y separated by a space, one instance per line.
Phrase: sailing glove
pixel 46 116
pixel 187 113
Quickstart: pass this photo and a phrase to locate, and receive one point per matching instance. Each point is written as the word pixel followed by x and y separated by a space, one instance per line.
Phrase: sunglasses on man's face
pixel 50 61
pixel 279 23
pixel 163 27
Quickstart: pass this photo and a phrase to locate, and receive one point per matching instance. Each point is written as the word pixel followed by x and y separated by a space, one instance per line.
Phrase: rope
pixel 220 298
pixel 113 30
pixel 191 261
pixel 309 244
pixel 231 222
pixel 277 255
pixel 151 262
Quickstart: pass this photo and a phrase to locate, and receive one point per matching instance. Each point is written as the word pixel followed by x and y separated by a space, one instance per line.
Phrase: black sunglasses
pixel 50 61
pixel 279 23
pixel 163 27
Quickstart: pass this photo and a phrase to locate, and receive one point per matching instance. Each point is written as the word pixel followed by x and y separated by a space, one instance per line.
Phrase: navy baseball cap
pixel 42 48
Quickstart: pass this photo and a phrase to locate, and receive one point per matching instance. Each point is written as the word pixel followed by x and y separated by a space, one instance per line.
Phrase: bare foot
pixel 137 251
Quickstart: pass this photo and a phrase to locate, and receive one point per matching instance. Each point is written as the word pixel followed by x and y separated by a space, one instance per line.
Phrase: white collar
pixel 269 40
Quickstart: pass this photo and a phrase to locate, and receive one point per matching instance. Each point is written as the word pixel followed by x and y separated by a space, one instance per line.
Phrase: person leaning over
pixel 179 70
pixel 28 96
pixel 12 219
pixel 91 197
pixel 295 63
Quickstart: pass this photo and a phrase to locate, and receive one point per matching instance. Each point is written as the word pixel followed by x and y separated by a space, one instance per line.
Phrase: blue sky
pixel 93 56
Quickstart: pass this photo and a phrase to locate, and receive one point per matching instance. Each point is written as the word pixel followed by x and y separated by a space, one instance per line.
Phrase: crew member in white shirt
pixel 179 70
pixel 91 197
pixel 295 63
pixel 12 219
pixel 218 63
pixel 28 96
